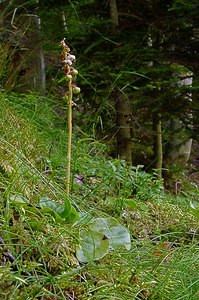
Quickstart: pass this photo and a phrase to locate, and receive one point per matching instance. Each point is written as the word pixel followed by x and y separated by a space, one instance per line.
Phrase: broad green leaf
pixel 117 234
pixel 48 203
pixel 143 207
pixel 73 216
pixel 93 245
pixel 61 212
pixel 51 207
pixel 131 204
pixel 69 214
pixel 67 209
pixel 194 212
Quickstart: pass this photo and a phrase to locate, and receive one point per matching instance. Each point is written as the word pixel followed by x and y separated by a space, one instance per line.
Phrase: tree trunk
pixel 157 129
pixel 24 60
pixel 114 15
pixel 158 153
pixel 122 106
pixel 34 61
pixel 41 84
pixel 123 121
pixel 179 146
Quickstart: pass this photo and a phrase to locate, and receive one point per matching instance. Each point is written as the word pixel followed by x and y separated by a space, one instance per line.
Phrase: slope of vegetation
pixel 38 250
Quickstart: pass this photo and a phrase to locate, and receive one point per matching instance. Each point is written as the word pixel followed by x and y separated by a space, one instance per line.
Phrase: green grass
pixel 163 262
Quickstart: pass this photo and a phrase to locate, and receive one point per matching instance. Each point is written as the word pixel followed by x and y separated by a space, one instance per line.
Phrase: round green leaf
pixel 117 234
pixel 93 245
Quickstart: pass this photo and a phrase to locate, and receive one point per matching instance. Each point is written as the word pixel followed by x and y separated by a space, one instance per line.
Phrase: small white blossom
pixel 71 57
pixel 68 61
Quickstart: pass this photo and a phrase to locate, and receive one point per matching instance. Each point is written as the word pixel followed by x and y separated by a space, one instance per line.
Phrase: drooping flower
pixel 68 61
pixel 71 57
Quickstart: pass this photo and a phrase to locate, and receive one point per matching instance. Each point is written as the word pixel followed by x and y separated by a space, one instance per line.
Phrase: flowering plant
pixel 70 74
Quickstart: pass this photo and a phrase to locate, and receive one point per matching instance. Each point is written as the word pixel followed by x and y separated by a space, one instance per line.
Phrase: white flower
pixel 68 61
pixel 71 57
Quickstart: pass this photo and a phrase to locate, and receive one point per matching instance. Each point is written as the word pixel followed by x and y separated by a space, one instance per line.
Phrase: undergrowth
pixel 38 251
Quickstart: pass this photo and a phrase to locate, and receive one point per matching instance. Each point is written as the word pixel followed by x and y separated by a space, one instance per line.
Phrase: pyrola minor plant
pixel 70 75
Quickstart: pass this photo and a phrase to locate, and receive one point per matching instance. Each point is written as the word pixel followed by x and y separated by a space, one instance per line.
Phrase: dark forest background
pixel 138 72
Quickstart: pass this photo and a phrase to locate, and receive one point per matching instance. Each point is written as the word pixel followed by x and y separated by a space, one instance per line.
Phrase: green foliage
pixel 116 233
pixel 60 212
pixel 102 235
pixel 194 209
pixel 84 252
pixel 92 246
pixel 64 249
pixel 111 65
pixel 116 178
pixel 118 63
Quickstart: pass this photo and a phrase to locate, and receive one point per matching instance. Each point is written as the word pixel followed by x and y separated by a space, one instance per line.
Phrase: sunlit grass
pixel 163 260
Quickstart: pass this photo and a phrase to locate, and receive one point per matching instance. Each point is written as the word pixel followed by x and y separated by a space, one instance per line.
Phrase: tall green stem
pixel 70 96
pixel 70 74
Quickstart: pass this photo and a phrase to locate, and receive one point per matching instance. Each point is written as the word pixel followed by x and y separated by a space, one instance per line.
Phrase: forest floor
pixel 121 235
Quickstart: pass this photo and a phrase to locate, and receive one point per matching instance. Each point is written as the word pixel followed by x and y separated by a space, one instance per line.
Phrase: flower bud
pixel 73 72
pixel 76 90
pixel 69 77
